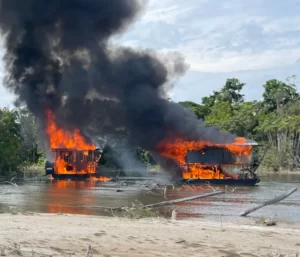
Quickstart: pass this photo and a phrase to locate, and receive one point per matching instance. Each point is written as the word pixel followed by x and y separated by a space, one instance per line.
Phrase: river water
pixel 89 198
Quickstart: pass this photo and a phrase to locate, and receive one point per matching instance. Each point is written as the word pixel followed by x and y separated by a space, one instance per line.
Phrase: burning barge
pixel 200 162
pixel 220 167
pixel 73 156
pixel 206 163
pixel 75 164
pixel 212 164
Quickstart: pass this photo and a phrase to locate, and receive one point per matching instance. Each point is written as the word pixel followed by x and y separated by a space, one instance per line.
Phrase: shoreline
pixel 284 172
pixel 69 235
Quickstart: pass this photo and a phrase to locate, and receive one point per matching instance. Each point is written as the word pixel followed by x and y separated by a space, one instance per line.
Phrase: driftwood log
pixel 165 203
pixel 274 200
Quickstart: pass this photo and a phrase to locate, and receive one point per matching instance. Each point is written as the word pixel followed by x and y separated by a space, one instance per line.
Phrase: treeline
pixel 273 122
pixel 18 141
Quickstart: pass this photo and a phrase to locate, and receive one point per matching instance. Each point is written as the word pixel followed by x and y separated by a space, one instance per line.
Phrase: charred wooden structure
pixel 218 165
pixel 73 163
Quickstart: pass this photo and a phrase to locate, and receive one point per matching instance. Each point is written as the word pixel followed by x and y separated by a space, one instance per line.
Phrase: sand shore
pixel 69 235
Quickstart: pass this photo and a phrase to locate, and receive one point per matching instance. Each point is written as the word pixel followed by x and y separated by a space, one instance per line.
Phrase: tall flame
pixel 60 138
pixel 69 161
pixel 177 149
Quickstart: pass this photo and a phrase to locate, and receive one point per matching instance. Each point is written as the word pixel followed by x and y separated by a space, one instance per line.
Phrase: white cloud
pixel 168 14
pixel 131 43
pixel 281 25
pixel 169 11
pixel 251 39
pixel 224 37
pixel 217 61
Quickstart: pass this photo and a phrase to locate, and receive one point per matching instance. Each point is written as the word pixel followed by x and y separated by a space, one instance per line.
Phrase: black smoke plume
pixel 59 56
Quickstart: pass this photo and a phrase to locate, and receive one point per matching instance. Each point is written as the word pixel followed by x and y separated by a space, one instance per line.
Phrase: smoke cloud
pixel 59 56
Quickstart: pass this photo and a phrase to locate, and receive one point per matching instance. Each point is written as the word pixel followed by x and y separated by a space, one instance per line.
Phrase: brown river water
pixel 89 198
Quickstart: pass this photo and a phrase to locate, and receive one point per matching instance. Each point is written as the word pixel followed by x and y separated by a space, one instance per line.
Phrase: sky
pixel 252 40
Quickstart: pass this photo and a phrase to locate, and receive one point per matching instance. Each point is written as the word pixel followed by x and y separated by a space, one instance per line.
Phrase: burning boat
pixel 203 162
pixel 73 157
pixel 73 163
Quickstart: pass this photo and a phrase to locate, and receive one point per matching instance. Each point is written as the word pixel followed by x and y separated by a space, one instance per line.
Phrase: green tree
pixel 31 154
pixel 209 101
pixel 220 116
pixel 281 130
pixel 245 119
pixel 278 93
pixel 231 92
pixel 144 157
pixel 10 142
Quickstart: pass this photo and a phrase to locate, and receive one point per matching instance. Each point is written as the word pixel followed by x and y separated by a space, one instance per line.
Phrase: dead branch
pixel 165 203
pixel 88 252
pixel 10 183
pixel 165 192
pixel 274 200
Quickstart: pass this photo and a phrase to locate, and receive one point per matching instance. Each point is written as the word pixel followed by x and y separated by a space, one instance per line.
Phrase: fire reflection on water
pixel 59 200
pixel 79 197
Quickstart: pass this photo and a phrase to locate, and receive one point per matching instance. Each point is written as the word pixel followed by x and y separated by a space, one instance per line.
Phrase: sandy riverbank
pixel 66 235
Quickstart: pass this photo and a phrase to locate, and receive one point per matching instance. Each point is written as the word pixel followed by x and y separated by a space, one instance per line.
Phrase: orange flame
pixel 63 139
pixel 101 179
pixel 58 199
pixel 82 163
pixel 177 150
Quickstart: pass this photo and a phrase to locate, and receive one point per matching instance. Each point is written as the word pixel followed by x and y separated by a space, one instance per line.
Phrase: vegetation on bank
pixel 274 122
pixel 19 147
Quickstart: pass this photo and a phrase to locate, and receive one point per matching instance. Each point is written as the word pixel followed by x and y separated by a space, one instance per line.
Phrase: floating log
pixel 274 200
pixel 165 203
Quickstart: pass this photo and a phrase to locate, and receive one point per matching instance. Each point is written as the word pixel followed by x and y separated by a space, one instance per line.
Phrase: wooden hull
pixel 228 182
pixel 69 176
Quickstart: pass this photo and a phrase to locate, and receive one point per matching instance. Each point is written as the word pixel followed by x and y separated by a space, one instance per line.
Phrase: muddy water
pixel 89 197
